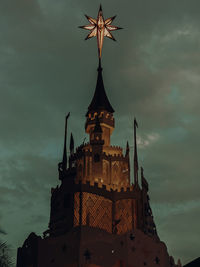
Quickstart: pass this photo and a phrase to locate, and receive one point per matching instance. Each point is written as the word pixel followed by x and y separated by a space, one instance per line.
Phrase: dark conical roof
pixel 100 100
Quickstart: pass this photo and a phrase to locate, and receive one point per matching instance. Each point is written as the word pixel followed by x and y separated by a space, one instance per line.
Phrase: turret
pixel 62 166
pixel 97 148
pixel 100 107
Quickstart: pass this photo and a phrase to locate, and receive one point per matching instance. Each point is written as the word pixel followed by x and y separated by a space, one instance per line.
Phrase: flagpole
pixel 64 161
pixel 135 154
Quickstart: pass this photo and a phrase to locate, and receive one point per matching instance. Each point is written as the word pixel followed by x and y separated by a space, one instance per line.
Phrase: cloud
pixel 176 220
pixel 148 140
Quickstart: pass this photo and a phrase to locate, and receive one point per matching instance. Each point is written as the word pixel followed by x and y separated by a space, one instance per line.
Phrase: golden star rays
pixel 100 28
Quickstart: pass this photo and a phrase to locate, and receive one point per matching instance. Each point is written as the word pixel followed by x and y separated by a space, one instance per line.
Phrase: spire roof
pixel 64 161
pixel 100 100
pixel 71 144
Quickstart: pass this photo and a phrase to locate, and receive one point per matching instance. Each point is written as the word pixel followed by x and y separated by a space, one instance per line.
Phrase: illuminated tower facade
pixel 98 217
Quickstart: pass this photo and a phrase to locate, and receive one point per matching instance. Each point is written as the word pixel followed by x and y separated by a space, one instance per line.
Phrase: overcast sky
pixel 151 72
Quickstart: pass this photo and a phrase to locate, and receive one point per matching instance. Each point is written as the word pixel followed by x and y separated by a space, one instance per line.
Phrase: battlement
pixel 116 148
pixel 111 187
pixel 79 148
pixel 115 156
pixel 115 151
pixel 101 114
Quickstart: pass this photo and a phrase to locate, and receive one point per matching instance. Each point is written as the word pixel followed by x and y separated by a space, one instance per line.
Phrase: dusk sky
pixel 152 73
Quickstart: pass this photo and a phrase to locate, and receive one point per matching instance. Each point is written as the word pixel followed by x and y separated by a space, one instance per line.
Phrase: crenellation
pixel 99 185
pixel 107 187
pixel 131 187
pixel 92 183
pixel 126 189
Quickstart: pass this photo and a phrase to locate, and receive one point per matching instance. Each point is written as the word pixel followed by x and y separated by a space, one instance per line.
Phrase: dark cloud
pixel 175 222
pixel 151 72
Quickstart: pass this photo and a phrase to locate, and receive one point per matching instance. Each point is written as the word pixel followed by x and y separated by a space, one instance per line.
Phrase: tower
pixel 98 218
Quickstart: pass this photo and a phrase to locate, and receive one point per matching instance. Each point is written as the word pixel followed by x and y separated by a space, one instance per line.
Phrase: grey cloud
pixel 176 229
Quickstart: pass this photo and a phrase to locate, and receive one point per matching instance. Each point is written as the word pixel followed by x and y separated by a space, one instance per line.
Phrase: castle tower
pixel 98 218
pixel 100 107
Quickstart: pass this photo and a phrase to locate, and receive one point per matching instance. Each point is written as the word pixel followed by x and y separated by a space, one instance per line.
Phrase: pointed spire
pixel 179 263
pixel 142 172
pixel 145 184
pixel 71 144
pixel 64 161
pixel 127 149
pixel 99 69
pixel 100 100
pixel 100 8
pixel 135 154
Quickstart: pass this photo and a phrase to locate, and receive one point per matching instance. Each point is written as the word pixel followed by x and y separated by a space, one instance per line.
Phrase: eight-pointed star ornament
pixel 100 28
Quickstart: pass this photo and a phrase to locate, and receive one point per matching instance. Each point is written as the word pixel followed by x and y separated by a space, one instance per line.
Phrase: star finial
pixel 100 28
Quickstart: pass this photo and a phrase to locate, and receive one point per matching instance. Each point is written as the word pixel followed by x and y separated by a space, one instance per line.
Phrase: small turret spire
pixel 135 154
pixel 179 263
pixel 144 182
pixel 71 144
pixel 142 172
pixel 64 161
pixel 100 8
pixel 127 149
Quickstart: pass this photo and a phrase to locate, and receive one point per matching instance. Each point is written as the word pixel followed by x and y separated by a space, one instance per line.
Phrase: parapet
pixel 106 187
